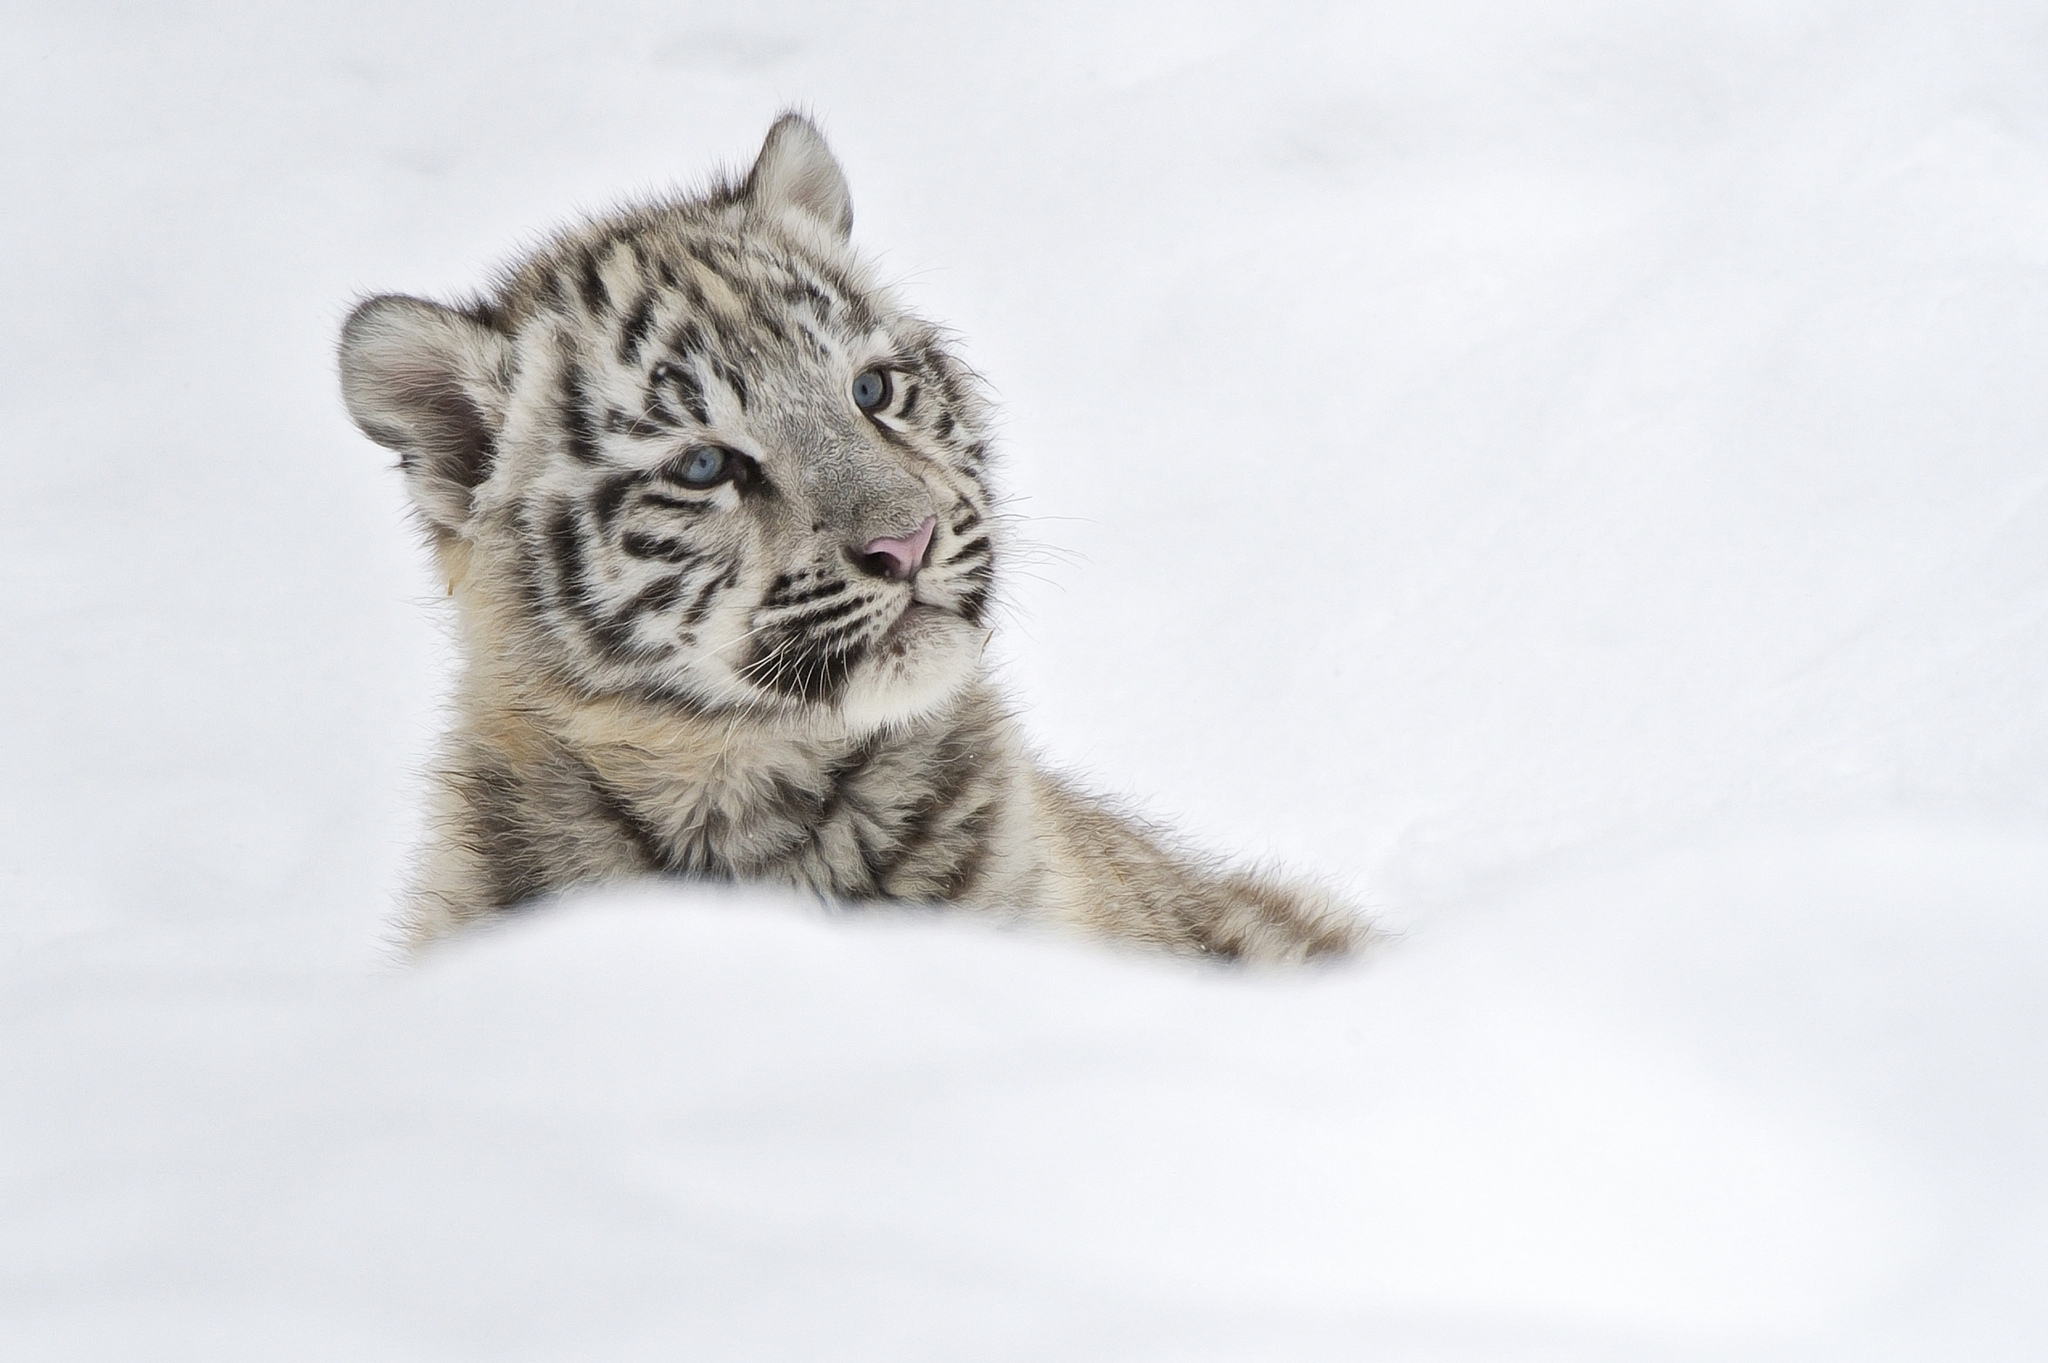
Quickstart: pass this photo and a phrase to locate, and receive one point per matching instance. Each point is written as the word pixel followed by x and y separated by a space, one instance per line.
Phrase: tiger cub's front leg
pixel 1113 875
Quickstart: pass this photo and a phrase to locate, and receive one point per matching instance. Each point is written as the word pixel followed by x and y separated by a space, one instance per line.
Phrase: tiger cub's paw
pixel 1258 919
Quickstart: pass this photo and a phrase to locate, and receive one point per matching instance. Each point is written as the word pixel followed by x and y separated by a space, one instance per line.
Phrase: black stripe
pixel 642 545
pixel 686 341
pixel 778 599
pixel 800 290
pixel 859 314
pixel 648 843
pixel 694 291
pixel 826 676
pixel 820 615
pixel 654 420
pixel 951 779
pixel 975 828
pixel 610 635
pixel 596 298
pixel 871 859
pixel 680 377
pixel 813 339
pixel 757 308
pixel 844 630
pixel 611 495
pixel 810 675
pixel 974 601
pixel 579 436
pixel 677 503
pixel 633 332
pixel 613 636
pixel 496 830
pixel 841 775
pixel 485 313
pixel 723 260
pixel 700 605
pixel 565 541
pixel 793 803
pixel 733 380
pixel 657 596
pixel 944 373
pixel 813 667
pixel 667 697
pixel 618 422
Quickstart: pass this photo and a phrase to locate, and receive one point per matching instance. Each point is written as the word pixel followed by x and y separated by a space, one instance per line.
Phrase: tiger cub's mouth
pixel 919 618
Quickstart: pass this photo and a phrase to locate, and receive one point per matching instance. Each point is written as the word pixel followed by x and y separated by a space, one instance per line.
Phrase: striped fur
pixel 670 673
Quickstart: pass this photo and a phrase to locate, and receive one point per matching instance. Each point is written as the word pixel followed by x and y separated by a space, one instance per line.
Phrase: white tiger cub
pixel 715 512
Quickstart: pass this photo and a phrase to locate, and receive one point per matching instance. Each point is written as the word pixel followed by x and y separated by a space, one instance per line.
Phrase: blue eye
pixel 870 390
pixel 706 466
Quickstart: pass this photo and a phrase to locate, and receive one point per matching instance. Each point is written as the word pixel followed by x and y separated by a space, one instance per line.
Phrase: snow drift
pixel 1573 473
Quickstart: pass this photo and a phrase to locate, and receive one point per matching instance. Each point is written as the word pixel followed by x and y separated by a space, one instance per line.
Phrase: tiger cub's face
pixel 692 454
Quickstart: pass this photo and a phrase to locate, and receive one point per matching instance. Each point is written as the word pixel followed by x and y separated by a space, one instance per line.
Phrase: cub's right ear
pixel 431 383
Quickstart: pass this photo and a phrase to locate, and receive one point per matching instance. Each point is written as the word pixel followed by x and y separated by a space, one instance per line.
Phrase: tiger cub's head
pixel 692 453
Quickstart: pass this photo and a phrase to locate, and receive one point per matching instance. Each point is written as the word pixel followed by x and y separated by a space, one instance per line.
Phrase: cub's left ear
pixel 430 382
pixel 796 171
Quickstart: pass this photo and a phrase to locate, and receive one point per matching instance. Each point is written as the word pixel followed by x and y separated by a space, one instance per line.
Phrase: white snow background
pixel 1573 472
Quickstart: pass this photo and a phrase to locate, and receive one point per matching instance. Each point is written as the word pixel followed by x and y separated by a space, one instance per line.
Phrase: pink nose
pixel 899 558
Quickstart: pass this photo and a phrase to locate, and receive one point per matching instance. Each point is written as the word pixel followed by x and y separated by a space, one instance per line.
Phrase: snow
pixel 1571 472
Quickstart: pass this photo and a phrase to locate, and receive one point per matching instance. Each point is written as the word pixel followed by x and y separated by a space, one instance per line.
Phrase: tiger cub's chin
pixel 683 467
pixel 923 662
